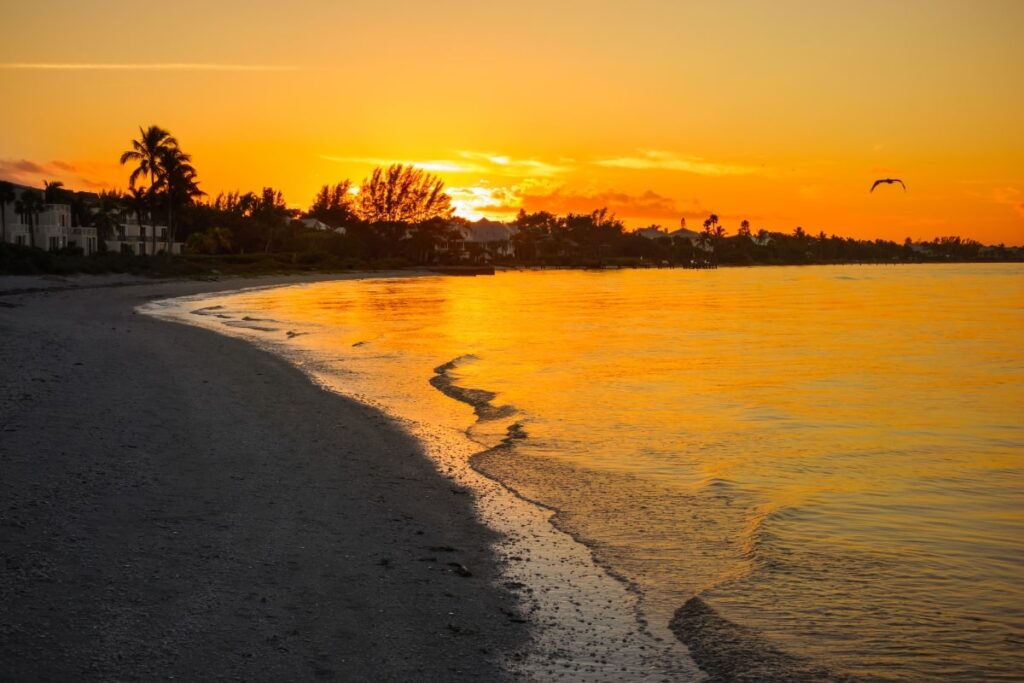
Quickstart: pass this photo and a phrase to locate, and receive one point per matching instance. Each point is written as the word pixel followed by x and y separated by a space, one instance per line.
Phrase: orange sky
pixel 781 112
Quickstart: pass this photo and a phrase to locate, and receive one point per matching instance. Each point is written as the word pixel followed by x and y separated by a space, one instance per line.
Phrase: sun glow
pixel 617 112
pixel 483 201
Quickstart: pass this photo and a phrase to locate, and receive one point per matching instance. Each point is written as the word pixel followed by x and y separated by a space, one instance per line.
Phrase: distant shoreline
pixel 121 270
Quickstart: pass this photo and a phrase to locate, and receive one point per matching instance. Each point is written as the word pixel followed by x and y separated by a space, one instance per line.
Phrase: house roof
pixel 652 233
pixel 487 231
pixel 684 233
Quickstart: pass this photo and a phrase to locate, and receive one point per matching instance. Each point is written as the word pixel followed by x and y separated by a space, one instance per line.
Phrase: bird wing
pixel 876 184
pixel 901 183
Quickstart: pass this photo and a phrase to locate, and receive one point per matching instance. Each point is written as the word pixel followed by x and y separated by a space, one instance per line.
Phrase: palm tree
pixel 29 206
pixel 148 154
pixel 139 202
pixel 6 196
pixel 53 191
pixel 146 151
pixel 178 184
pixel 107 214
pixel 744 230
pixel 713 232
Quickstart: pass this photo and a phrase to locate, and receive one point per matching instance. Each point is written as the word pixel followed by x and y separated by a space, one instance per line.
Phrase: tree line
pixel 402 214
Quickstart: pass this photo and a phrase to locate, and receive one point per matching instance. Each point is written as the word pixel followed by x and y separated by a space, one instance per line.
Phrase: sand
pixel 179 504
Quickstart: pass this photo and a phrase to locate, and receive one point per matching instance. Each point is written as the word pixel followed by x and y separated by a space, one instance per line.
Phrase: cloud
pixel 532 195
pixel 1011 196
pixel 74 174
pixel 540 196
pixel 669 161
pixel 10 168
pixel 142 66
pixel 435 165
pixel 504 165
pixel 479 163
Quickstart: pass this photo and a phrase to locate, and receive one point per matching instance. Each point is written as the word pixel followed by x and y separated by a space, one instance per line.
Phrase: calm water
pixel 832 457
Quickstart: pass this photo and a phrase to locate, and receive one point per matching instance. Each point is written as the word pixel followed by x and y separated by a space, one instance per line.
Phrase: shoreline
pixel 585 619
pixel 180 523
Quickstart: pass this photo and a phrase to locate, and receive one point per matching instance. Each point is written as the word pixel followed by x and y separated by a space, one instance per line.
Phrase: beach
pixel 393 476
pixel 179 504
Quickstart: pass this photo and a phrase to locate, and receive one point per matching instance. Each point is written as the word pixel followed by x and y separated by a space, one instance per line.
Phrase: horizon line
pixel 143 66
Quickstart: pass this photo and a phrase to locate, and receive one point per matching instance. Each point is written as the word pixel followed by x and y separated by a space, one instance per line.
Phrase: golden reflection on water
pixel 831 455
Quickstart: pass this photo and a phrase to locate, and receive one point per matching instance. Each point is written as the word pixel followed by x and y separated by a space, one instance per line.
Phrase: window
pixel 142 248
pixel 53 244
pixel 19 239
pixel 142 232
pixel 163 233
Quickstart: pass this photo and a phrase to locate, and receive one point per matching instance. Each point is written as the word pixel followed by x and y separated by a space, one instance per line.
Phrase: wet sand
pixel 176 503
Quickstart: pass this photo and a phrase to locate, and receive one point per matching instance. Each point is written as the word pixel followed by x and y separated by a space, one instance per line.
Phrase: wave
pixel 481 400
pixel 729 652
pixel 724 650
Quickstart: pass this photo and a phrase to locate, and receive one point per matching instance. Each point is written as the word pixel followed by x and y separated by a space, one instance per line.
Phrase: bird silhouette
pixel 890 181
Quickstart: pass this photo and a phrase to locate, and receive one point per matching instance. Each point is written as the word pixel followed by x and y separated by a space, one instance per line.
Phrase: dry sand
pixel 175 503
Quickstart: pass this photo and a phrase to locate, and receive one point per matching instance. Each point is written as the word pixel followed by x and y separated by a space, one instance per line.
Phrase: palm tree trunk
pixel 170 222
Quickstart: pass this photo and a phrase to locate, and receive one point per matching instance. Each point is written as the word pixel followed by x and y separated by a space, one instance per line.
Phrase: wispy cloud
pixel 480 163
pixel 669 161
pixel 75 174
pixel 436 165
pixel 506 165
pixel 141 66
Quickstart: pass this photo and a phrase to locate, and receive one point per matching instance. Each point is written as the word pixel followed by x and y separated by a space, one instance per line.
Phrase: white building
pixel 490 238
pixel 131 237
pixel 50 228
pixel 315 224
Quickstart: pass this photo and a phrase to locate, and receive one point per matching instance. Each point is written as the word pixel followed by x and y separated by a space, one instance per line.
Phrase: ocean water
pixel 810 472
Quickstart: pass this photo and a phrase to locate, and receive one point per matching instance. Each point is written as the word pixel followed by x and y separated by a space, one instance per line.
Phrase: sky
pixel 782 113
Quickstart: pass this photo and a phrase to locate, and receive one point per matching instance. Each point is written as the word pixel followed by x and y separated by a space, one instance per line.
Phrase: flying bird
pixel 889 181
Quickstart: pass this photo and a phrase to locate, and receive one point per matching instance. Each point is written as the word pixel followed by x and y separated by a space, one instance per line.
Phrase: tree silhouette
pixel 106 214
pixel 402 194
pixel 29 205
pixel 334 204
pixel 744 230
pixel 7 196
pixel 178 184
pixel 53 192
pixel 146 153
pixel 149 152
pixel 140 202
pixel 268 210
pixel 713 232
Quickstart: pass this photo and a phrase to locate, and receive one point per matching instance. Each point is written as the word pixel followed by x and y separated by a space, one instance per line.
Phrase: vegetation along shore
pixel 399 216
